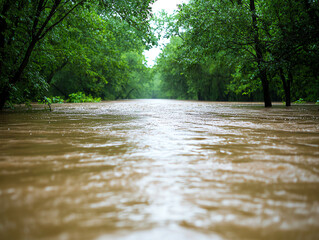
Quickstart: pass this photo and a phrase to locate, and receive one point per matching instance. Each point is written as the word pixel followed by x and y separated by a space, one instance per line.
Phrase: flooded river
pixel 159 169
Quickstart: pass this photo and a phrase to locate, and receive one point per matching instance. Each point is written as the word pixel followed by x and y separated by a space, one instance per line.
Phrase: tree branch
pixel 60 20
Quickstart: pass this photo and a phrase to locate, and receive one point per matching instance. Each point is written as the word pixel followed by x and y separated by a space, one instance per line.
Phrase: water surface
pixel 160 169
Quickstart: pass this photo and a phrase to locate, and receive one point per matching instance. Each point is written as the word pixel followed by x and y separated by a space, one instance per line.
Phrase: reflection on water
pixel 159 169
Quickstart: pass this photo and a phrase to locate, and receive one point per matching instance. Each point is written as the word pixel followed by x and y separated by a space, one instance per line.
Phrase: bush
pixel 57 99
pixel 80 97
pixel 300 101
pixel 47 100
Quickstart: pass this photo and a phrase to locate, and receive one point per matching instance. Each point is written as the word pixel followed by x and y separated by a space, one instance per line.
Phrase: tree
pixel 272 39
pixel 26 24
pixel 23 25
pixel 229 26
pixel 171 70
pixel 293 38
pixel 259 54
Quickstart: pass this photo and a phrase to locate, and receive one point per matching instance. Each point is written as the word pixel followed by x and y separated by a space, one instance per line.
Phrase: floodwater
pixel 160 169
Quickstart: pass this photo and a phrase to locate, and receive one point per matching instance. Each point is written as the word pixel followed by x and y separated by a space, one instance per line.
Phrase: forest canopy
pixel 242 50
pixel 233 50
pixel 62 46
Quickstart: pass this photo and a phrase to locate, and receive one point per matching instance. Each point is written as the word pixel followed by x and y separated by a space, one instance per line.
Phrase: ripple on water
pixel 160 169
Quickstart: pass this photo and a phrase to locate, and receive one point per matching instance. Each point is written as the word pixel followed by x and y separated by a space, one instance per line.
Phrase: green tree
pixel 293 38
pixel 185 73
pixel 25 25
pixel 171 70
pixel 271 39
pixel 229 26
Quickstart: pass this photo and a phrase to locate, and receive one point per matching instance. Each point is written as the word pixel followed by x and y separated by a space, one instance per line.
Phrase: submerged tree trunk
pixel 290 80
pixel 4 95
pixel 286 84
pixel 260 57
pixel 266 91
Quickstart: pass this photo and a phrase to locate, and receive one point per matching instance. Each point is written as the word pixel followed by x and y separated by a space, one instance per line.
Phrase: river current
pixel 159 169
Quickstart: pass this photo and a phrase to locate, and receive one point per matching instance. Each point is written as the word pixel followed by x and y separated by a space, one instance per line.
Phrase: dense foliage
pixel 221 50
pixel 55 47
pixel 242 50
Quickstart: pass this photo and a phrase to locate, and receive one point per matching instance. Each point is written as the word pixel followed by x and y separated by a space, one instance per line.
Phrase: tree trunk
pixel 53 72
pixel 4 92
pixel 36 36
pixel 127 95
pixel 25 61
pixel 286 85
pixel 61 91
pixel 287 93
pixel 17 76
pixel 4 95
pixel 199 96
pixel 289 82
pixel 3 28
pixel 259 57
pixel 265 84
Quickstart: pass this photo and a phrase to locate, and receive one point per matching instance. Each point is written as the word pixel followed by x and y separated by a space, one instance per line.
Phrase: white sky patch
pixel 169 6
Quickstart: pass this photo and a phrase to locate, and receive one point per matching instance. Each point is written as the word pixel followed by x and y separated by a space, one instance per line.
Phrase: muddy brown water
pixel 160 169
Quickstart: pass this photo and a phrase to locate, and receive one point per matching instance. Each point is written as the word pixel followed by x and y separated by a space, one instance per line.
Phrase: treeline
pixel 59 47
pixel 241 50
pixel 220 50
